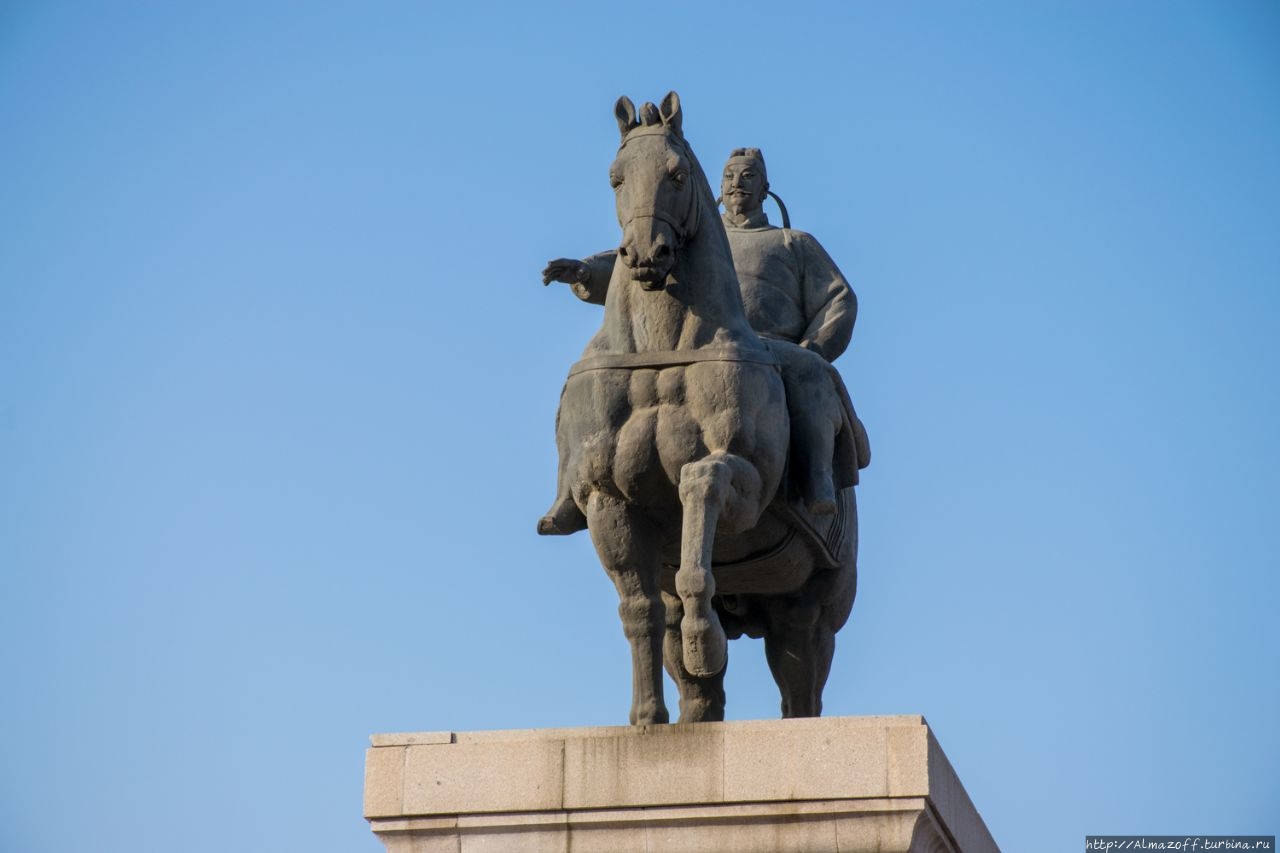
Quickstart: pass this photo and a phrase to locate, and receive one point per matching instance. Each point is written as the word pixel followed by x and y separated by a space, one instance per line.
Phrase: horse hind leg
pixel 701 699
pixel 800 629
pixel 628 550
pixel 799 646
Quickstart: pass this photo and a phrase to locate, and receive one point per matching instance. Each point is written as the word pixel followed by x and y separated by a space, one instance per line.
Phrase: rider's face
pixel 742 187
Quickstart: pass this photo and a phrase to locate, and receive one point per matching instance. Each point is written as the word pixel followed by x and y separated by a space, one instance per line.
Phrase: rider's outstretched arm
pixel 587 278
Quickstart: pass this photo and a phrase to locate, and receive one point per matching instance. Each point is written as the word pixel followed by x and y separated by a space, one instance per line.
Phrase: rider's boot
pixel 814 421
pixel 563 518
pixel 814 452
pixel 819 494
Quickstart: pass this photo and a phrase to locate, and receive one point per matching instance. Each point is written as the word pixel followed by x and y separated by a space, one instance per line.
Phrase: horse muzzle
pixel 648 252
pixel 651 278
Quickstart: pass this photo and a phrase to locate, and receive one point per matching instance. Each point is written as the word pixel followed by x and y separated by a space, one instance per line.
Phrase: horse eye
pixel 679 178
pixel 615 181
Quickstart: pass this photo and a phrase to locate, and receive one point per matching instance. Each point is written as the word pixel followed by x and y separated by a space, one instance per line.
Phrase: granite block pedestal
pixel 847 784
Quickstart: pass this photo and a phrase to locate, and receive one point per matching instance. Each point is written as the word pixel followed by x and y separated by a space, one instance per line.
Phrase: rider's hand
pixel 567 270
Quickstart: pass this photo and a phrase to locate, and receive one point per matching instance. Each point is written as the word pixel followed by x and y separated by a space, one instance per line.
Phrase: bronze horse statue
pixel 674 431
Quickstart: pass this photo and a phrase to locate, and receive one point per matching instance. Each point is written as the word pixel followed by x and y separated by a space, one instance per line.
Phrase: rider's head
pixel 745 182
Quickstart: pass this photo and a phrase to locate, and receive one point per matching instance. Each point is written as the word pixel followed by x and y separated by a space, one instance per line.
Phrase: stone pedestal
pixel 847 784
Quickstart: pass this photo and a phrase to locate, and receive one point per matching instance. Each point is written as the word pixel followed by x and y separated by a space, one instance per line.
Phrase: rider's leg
pixel 815 419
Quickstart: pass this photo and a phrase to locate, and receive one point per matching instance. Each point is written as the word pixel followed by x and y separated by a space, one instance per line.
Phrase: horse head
pixel 658 185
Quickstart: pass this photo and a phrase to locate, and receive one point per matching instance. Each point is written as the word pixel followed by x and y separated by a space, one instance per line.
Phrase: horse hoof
pixel 706 649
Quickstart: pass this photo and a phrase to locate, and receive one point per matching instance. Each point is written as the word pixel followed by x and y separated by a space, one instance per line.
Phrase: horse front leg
pixel 721 488
pixel 628 547
pixel 701 699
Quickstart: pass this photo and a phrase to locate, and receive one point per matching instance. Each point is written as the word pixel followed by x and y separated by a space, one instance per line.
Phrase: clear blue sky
pixel 278 381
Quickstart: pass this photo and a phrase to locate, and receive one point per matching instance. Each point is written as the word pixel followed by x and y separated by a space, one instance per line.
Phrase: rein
pixel 681 230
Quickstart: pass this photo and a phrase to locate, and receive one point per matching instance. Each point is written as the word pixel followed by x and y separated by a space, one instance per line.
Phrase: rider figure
pixel 794 295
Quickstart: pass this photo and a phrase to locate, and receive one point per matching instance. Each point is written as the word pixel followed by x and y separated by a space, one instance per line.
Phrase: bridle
pixel 692 218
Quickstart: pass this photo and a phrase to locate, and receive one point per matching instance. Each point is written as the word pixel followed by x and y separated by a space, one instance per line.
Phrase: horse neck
pixel 704 306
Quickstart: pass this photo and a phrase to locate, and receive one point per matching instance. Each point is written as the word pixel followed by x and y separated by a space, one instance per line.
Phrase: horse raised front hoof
pixel 706 649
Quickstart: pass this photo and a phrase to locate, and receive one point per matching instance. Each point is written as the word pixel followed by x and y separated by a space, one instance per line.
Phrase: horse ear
pixel 625 112
pixel 670 111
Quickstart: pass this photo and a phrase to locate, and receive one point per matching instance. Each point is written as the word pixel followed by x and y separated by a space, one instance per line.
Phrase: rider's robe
pixel 791 289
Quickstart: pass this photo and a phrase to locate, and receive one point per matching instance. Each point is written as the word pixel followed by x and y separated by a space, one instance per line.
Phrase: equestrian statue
pixel 706 442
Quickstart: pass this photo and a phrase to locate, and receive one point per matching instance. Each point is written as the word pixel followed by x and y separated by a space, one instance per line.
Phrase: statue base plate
pixel 846 784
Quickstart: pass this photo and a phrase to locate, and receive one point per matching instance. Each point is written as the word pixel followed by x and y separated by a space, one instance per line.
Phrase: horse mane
pixel 708 209
pixel 709 224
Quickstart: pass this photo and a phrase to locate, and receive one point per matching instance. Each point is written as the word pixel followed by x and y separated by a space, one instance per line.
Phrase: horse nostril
pixel 622 251
pixel 661 250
